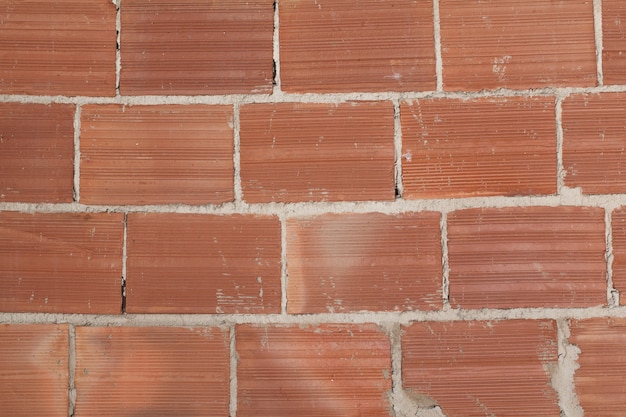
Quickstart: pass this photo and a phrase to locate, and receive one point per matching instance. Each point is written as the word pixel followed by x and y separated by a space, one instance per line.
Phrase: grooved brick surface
pixel 356 45
pixel 36 152
pixel 517 44
pixel 188 263
pixel 191 47
pixel 482 147
pixel 351 262
pixel 156 154
pixel 599 382
pixel 527 257
pixel 478 368
pixel 330 370
pixel 594 136
pixel 614 41
pixel 61 262
pixel 619 250
pixel 151 371
pixel 57 47
pixel 34 370
pixel 317 152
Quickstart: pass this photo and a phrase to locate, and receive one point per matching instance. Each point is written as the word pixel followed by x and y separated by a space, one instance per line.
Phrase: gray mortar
pixel 76 179
pixel 563 377
pixel 437 32
pixel 397 144
pixel 597 26
pixel 234 360
pixel 72 369
pixel 445 276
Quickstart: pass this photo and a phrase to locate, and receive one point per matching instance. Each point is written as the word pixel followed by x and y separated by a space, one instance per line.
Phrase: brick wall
pixel 312 208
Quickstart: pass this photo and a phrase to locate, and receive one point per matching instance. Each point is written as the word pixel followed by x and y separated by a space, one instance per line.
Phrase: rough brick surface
pixel 356 45
pixel 36 152
pixel 483 147
pixel 187 263
pixel 527 257
pixel 151 371
pixel 594 136
pixel 156 154
pixel 62 47
pixel 619 250
pixel 193 47
pixel 614 41
pixel 517 44
pixel 330 370
pixel 34 370
pixel 599 382
pixel 482 368
pixel 317 152
pixel 352 262
pixel 61 262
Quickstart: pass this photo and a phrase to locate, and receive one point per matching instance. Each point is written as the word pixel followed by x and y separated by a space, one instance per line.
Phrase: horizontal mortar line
pixel 382 318
pixel 282 97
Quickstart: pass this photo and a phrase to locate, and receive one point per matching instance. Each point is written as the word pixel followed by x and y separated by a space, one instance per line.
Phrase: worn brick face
pixel 192 47
pixel 614 41
pixel 352 262
pixel 151 371
pixel 61 262
pixel 517 44
pixel 527 257
pixel 594 136
pixel 34 370
pixel 156 154
pixel 328 370
pixel 62 47
pixel 36 152
pixel 181 263
pixel 482 147
pixel 482 368
pixel 356 45
pixel 317 152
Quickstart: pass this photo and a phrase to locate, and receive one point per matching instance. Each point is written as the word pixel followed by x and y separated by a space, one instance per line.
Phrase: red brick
pixel 614 41
pixel 317 152
pixel 373 261
pixel 599 381
pixel 619 250
pixel 152 371
pixel 330 370
pixel 188 263
pixel 192 47
pixel 34 370
pixel 517 44
pixel 527 257
pixel 356 45
pixel 594 130
pixel 483 368
pixel 61 262
pixel 483 147
pixel 156 154
pixel 64 47
pixel 36 152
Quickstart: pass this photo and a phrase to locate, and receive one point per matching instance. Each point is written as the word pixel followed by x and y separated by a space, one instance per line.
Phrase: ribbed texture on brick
pixel 313 372
pixel 527 257
pixel 151 371
pixel 619 249
pixel 483 368
pixel 614 41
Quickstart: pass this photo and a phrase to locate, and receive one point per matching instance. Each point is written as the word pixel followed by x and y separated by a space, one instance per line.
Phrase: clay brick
pixel 356 45
pixel 330 370
pixel 156 154
pixel 188 263
pixel 61 262
pixel 34 370
pixel 619 250
pixel 483 147
pixel 192 47
pixel 599 381
pixel 36 152
pixel 373 261
pixel 151 371
pixel 482 368
pixel 517 44
pixel 614 41
pixel 317 152
pixel 64 47
pixel 594 133
pixel 527 257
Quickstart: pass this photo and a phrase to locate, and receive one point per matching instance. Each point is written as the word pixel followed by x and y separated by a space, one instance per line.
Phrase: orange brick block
pixel 619 250
pixel 614 41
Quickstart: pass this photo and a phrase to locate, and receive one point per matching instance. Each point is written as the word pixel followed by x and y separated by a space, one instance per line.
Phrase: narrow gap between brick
pixel 274 82
pixel 123 286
